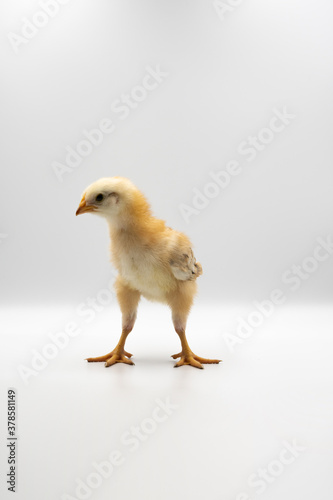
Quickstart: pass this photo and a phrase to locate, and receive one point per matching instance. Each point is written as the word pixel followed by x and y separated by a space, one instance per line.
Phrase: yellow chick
pixel 153 261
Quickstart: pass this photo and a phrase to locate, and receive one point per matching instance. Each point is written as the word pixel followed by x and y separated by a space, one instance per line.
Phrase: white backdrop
pixel 221 113
pixel 223 77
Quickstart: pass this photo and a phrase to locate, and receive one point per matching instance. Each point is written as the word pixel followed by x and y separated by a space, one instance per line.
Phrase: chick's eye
pixel 99 197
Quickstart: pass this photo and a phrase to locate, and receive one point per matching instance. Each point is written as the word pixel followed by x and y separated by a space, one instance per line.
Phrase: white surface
pixel 231 419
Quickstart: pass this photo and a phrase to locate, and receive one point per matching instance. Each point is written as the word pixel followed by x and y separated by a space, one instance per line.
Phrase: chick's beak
pixel 83 207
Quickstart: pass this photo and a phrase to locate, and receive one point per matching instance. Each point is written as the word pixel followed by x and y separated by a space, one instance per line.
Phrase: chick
pixel 153 261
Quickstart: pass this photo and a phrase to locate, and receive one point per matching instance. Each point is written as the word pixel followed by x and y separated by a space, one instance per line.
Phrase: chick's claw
pixel 113 357
pixel 188 360
pixel 118 358
pixel 175 356
pixel 193 360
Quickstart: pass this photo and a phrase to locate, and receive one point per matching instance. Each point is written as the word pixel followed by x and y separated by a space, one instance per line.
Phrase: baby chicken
pixel 153 261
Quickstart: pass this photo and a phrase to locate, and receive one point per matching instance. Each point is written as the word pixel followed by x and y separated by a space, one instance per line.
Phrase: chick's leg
pixel 128 300
pixel 187 357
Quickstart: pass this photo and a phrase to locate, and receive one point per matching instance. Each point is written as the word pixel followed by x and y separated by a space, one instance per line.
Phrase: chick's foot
pixel 189 358
pixel 113 357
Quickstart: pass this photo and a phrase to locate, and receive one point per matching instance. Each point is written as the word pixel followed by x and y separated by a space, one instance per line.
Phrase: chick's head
pixel 112 197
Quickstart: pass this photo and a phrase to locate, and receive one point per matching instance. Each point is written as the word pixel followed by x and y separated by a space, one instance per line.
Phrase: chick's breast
pixel 145 267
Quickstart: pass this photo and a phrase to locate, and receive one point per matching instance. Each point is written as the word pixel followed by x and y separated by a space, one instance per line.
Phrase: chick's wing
pixel 182 262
